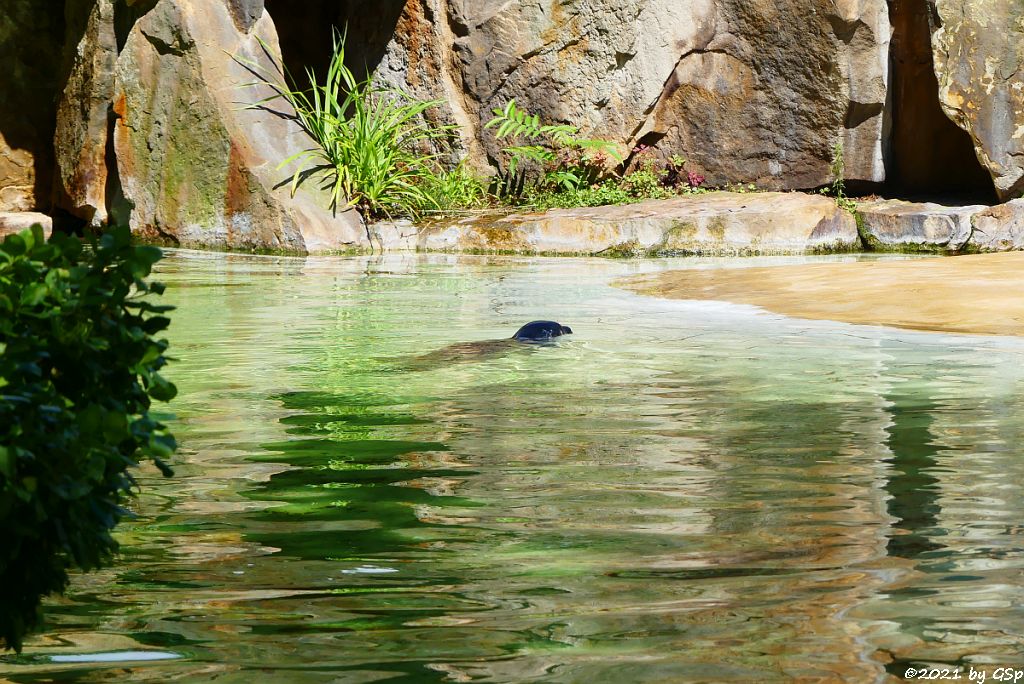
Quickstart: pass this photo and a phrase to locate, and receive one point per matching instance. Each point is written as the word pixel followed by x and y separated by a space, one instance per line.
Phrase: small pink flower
pixel 694 179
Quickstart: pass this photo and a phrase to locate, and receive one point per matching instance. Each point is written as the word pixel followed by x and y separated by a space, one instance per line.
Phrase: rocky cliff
pixel 146 120
pixel 747 91
pixel 133 109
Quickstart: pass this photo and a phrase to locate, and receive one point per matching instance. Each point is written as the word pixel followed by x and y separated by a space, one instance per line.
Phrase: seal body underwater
pixel 541 331
pixel 537 332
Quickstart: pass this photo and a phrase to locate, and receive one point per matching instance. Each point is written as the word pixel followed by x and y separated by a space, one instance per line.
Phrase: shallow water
pixel 681 491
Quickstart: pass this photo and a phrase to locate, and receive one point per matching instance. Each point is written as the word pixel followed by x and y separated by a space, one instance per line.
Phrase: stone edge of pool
pixel 711 224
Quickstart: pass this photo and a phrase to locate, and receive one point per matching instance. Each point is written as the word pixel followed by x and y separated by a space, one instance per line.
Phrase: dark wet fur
pixel 537 332
pixel 541 331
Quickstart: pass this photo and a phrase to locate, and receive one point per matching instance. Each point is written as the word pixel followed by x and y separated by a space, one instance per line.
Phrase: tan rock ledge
pixel 15 222
pixel 719 223
pixel 898 225
pixel 963 294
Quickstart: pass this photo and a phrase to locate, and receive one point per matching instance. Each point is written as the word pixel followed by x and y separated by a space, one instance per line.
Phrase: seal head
pixel 541 331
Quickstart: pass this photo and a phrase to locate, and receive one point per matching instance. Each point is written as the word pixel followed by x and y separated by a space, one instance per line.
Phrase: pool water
pixel 371 487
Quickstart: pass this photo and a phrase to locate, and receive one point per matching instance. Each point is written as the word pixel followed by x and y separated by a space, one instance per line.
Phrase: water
pixel 680 492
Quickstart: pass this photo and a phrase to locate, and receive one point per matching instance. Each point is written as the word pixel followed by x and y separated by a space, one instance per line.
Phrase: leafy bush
pixel 565 160
pixel 645 182
pixel 677 177
pixel 79 368
pixel 370 141
pixel 602 194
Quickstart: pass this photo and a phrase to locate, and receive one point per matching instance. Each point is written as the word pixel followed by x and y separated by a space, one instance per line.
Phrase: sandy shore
pixel 981 294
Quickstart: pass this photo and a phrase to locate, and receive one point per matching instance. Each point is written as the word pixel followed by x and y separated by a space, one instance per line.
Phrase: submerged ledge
pixel 964 294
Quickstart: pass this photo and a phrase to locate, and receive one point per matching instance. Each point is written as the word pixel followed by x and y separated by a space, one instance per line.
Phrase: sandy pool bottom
pixel 982 294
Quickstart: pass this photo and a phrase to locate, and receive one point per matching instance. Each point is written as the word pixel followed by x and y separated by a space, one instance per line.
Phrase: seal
pixel 541 331
pixel 537 332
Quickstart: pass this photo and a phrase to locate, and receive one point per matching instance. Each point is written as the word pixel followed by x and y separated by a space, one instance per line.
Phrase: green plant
pixel 370 143
pixel 455 190
pixel 599 195
pixel 838 188
pixel 675 175
pixel 567 160
pixel 79 368
pixel 838 170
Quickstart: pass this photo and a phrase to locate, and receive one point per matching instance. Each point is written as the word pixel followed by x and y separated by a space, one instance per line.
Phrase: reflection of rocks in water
pixel 350 491
pixel 914 490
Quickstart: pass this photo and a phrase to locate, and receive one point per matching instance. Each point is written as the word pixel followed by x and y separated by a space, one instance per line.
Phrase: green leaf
pixel 148 255
pixel 15 245
pixel 160 389
pixel 6 462
pixel 34 294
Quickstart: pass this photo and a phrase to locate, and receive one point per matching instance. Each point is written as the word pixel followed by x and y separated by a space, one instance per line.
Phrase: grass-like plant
pixel 371 145
pixel 455 190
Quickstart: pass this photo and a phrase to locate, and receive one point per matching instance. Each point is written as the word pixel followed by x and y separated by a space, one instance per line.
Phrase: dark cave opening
pixel 306 30
pixel 929 156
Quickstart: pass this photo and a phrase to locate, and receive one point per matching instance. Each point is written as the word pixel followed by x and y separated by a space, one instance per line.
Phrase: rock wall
pixel 141 118
pixel 750 91
pixel 979 59
pixel 153 129
pixel 82 181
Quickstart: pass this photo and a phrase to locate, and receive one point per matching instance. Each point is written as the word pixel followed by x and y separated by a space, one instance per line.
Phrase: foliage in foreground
pixel 79 368
pixel 369 142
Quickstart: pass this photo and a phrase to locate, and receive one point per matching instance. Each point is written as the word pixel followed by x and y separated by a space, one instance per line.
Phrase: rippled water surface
pixel 679 492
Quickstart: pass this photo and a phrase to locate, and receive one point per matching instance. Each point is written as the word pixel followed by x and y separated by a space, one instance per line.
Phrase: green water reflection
pixel 372 488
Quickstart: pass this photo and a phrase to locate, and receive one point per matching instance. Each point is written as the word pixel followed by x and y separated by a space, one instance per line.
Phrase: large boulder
pixel 197 165
pixel 979 60
pixel 18 221
pixel 901 226
pixel 83 119
pixel 747 91
pixel 999 228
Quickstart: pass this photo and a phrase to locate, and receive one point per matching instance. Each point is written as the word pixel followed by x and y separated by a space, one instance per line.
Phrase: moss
pixel 157 241
pixel 501 237
pixel 679 234
pixel 873 244
pixel 835 248
pixel 716 228
pixel 195 168
pixel 630 249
